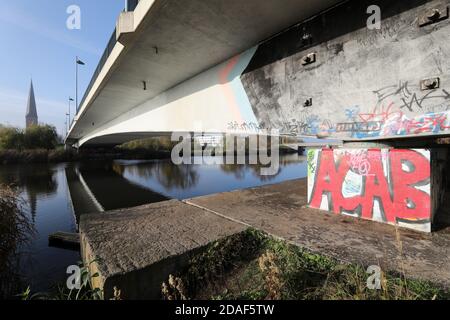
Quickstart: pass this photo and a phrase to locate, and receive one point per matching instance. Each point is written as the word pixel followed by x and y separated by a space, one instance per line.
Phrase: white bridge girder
pixel 165 47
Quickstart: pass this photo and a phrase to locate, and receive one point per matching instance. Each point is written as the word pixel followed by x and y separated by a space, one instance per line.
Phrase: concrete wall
pixel 365 84
pixel 439 181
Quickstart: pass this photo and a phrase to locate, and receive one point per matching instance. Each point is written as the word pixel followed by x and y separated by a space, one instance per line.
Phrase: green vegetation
pixel 156 144
pixel 35 144
pixel 37 156
pixel 15 229
pixel 36 137
pixel 40 144
pixel 61 292
pixel 255 266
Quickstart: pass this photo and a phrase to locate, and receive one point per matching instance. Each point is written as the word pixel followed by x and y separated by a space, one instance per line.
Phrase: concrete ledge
pixel 136 249
pixel 124 27
pixel 280 210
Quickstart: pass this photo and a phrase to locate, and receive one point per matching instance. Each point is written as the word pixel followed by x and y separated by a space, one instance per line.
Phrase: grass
pixel 15 229
pixel 254 266
pixel 61 291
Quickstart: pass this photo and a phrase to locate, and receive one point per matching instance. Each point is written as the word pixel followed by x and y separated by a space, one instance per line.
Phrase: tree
pixel 41 137
pixel 35 137
pixel 11 138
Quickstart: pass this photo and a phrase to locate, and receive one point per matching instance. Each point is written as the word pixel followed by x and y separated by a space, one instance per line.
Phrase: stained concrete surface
pixel 280 211
pixel 136 249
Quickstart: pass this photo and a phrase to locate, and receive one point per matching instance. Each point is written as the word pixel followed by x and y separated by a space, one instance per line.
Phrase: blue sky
pixel 36 43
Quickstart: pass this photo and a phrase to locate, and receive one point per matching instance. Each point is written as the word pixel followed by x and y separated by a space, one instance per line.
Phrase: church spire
pixel 31 116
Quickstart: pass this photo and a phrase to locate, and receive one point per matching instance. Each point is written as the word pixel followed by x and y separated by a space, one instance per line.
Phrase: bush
pixel 10 138
pixel 40 137
pixel 156 144
pixel 36 137
pixel 254 266
pixel 15 229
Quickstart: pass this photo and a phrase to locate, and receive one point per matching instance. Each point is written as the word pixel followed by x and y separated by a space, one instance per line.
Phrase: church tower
pixel 31 116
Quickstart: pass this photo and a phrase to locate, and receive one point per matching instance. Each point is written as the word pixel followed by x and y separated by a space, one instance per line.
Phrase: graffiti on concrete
pixel 391 186
pixel 367 88
pixel 252 127
pixel 390 121
pixel 427 123
pixel 312 125
pixel 411 97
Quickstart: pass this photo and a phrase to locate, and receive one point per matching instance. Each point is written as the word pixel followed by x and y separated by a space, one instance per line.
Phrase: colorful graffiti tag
pixel 391 186
pixel 386 121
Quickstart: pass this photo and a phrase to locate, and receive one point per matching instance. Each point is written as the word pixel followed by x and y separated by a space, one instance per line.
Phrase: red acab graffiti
pixel 396 188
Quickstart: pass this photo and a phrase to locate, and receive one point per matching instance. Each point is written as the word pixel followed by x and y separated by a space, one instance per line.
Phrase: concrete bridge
pixel 305 68
pixel 222 66
pixel 176 66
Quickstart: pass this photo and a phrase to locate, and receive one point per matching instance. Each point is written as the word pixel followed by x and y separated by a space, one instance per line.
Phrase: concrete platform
pixel 136 249
pixel 280 211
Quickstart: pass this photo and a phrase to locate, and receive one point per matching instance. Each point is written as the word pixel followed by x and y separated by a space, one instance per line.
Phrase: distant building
pixel 213 140
pixel 31 117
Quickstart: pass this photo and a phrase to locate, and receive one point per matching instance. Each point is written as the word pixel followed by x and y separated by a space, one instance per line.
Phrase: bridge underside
pixel 173 73
pixel 202 66
pixel 162 44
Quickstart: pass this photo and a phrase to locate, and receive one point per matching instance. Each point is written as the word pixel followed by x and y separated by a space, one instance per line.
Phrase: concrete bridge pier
pixel 405 187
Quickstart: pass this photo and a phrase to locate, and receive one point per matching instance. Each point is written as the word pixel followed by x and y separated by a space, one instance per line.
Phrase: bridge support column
pixel 403 187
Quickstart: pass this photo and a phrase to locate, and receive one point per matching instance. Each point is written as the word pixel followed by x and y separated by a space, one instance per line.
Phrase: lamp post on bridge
pixel 81 63
pixel 69 123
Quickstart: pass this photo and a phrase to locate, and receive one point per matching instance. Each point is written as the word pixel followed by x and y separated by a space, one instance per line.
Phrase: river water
pixel 56 196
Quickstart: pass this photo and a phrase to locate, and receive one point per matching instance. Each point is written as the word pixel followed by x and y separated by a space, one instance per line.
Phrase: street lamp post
pixel 81 63
pixel 70 100
pixel 67 124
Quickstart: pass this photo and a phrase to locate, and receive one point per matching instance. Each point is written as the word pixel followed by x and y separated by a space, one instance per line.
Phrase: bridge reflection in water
pixel 97 187
pixel 102 186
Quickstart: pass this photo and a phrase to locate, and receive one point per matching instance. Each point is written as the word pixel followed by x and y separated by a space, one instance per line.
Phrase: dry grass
pixel 174 289
pixel 253 266
pixel 268 265
pixel 15 229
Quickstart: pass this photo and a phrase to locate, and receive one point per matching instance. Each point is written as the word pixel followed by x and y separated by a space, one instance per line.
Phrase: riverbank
pixel 254 266
pixel 326 249
pixel 15 230
pixel 40 156
pixel 251 265
pixel 60 155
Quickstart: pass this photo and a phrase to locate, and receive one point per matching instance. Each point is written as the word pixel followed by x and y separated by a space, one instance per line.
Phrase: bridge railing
pixel 130 6
pixel 109 47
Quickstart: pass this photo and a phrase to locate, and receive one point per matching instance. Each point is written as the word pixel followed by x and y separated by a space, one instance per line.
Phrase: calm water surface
pixel 56 196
